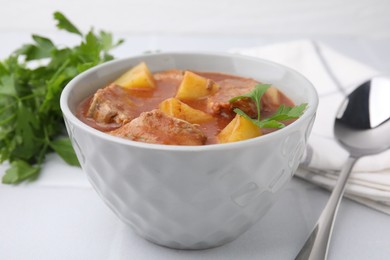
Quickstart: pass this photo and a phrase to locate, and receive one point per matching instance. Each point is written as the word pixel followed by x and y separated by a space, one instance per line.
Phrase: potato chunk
pixel 176 108
pixel 137 77
pixel 194 87
pixel 238 129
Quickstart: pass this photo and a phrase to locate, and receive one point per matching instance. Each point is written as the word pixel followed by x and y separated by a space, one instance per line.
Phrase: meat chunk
pixel 111 105
pixel 158 128
pixel 218 104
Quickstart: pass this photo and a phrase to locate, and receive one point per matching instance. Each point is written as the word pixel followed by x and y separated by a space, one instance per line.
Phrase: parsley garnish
pixel 283 112
pixel 31 82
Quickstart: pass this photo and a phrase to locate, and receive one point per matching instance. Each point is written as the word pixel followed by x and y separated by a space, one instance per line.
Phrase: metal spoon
pixel 362 127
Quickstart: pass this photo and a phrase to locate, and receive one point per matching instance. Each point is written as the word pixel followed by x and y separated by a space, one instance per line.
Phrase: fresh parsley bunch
pixel 31 82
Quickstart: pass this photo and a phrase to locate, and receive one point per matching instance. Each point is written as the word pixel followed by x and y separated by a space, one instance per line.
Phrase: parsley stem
pixel 28 97
pixel 59 71
pixel 42 153
pixel 8 119
pixel 41 156
pixel 6 107
pixel 8 95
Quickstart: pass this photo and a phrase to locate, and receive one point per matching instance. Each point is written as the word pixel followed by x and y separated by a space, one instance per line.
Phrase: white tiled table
pixel 52 219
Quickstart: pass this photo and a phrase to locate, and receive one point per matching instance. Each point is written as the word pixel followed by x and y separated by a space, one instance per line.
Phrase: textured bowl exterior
pixel 187 197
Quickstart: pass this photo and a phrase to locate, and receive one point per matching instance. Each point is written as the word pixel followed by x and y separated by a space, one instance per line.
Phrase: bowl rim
pixel 68 114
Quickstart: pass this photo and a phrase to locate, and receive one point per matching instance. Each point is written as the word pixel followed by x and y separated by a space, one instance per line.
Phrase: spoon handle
pixel 316 246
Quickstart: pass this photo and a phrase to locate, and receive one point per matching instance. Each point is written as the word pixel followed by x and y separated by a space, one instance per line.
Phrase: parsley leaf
pixel 63 147
pixel 41 49
pixel 20 171
pixel 65 24
pixel 283 112
pixel 31 81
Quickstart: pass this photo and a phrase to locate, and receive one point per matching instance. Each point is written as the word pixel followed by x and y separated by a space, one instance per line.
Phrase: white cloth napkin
pixel 333 74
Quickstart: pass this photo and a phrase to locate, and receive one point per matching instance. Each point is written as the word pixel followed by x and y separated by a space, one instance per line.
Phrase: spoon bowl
pixel 362 127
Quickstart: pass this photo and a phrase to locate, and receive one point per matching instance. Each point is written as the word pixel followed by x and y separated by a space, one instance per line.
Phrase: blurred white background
pixel 356 18
pixel 356 28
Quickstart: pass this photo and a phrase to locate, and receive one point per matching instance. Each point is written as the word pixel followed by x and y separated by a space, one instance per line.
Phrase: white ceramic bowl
pixel 190 197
